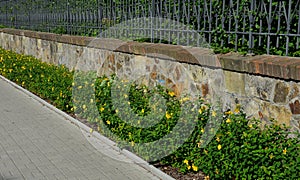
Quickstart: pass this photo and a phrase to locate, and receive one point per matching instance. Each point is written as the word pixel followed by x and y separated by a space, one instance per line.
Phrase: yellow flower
pixel 186 162
pixel 219 146
pixel 206 178
pixel 284 151
pixel 168 116
pixel 195 168
pixel 132 143
pixel 199 143
pixel 218 139
pixel 228 120
pixel 102 109
pixel 189 167
pixel 200 111
pixel 91 130
pixel 128 102
pixel 107 122
pixel 108 84
pixel 117 110
pixel 271 156
pixel 217 171
pixel 184 99
pixel 228 113
pixel 84 106
pixel 143 110
pixel 125 95
pixel 250 126
pixel 213 113
pixel 52 89
pixel 202 130
pixel 237 108
pixel 98 128
pixel 171 93
pixel 79 87
pixel 42 75
pixel 92 100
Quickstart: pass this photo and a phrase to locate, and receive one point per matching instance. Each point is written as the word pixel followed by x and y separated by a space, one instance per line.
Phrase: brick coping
pixel 282 67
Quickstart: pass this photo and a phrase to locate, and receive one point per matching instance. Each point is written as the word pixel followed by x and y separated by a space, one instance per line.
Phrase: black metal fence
pixel 259 26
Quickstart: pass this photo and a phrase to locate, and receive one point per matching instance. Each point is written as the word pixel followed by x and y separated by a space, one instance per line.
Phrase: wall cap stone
pixel 282 67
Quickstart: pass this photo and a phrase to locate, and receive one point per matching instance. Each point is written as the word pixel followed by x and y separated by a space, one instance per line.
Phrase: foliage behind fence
pixel 259 26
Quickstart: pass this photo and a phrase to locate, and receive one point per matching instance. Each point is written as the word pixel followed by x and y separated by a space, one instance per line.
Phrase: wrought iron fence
pixel 259 26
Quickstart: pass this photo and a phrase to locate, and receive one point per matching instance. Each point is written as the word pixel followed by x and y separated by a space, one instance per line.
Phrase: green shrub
pixel 241 149
pixel 53 83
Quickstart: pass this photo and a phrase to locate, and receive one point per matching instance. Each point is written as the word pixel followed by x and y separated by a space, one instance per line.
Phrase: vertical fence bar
pixel 278 23
pixel 288 28
pixel 151 19
pixel 236 25
pixel 68 18
pixel 229 25
pixel 223 19
pixel 210 20
pixel 260 22
pixel 269 21
pixel 99 17
pixel 250 26
pixel 298 31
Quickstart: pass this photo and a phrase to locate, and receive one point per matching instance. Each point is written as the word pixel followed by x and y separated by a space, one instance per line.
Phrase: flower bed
pixel 241 149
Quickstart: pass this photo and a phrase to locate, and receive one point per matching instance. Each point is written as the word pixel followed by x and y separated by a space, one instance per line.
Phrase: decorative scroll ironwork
pixel 263 25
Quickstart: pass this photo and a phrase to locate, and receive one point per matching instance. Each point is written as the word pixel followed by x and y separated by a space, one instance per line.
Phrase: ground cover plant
pixel 240 149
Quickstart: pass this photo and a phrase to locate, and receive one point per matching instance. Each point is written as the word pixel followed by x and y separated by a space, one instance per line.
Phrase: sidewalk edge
pixel 144 164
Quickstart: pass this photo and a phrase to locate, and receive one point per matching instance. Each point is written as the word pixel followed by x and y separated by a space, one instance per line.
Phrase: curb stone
pixel 137 160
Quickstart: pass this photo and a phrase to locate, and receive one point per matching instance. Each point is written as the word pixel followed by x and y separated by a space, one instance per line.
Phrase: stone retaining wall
pixel 266 86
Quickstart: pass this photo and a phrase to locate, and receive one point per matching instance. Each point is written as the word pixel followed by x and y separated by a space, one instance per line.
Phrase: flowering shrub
pixel 241 149
pixel 53 83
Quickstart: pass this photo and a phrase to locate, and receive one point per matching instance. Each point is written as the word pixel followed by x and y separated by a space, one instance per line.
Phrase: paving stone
pixel 38 143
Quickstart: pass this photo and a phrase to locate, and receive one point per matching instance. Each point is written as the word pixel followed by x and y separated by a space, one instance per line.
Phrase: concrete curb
pixel 84 127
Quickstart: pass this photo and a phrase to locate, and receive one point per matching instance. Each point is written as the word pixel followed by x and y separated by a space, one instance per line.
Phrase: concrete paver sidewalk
pixel 38 143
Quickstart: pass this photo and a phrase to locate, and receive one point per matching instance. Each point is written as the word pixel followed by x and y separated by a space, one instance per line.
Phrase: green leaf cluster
pixel 50 82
